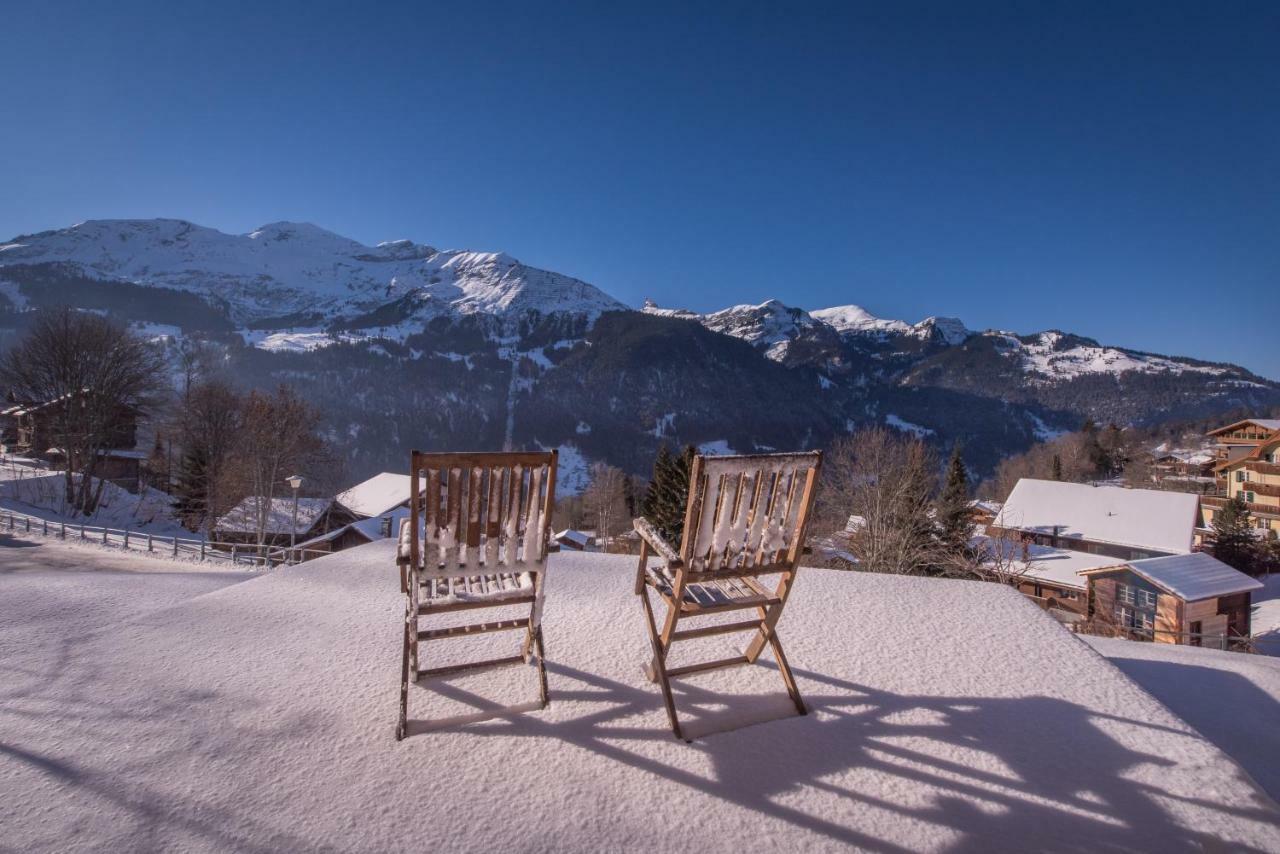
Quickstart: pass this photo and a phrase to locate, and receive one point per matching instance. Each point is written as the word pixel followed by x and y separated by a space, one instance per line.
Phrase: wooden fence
pixel 175 547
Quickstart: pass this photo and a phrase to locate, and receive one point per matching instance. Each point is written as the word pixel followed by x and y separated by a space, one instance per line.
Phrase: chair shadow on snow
pixel 1065 786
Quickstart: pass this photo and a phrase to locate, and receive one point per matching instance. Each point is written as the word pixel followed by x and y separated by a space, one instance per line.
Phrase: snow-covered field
pixel 1230 697
pixel 1265 620
pixel 260 716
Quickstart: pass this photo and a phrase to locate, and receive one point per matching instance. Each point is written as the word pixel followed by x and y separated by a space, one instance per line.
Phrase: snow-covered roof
pixel 243 518
pixel 377 495
pixel 910 744
pixel 370 529
pixel 1058 566
pixel 1139 518
pixel 1194 576
pixel 574 536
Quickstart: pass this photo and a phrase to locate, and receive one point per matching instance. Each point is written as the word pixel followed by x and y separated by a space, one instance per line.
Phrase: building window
pixel 1239 475
pixel 1194 631
pixel 1124 616
pixel 1249 497
pixel 1124 593
pixel 1146 599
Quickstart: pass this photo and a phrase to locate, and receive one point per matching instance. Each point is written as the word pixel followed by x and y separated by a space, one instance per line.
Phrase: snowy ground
pixel 1265 619
pixel 260 716
pixel 1233 699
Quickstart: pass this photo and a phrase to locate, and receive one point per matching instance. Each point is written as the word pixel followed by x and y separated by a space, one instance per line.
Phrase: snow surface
pixel 1232 698
pixel 1046 356
pixel 1264 621
pixel 1140 518
pixel 906 426
pixel 260 717
pixel 855 318
pixel 1058 566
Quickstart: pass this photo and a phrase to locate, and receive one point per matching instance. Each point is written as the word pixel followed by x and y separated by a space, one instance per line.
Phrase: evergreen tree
pixel 1093 450
pixel 664 503
pixel 1056 472
pixel 954 517
pixel 191 490
pixel 1232 540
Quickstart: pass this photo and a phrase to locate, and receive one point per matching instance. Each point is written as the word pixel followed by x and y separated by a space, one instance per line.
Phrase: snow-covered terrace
pixel 161 708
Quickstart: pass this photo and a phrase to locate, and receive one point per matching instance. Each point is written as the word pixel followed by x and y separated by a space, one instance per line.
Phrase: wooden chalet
pixel 1238 440
pixel 1128 524
pixel 30 429
pixel 316 516
pixel 1190 599
pixel 1255 478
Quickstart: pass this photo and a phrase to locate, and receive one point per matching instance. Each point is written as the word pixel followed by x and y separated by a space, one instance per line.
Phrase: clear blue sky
pixel 1110 169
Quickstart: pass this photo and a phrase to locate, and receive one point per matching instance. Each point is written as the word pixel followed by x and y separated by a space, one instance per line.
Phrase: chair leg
pixel 787 675
pixel 542 668
pixel 660 665
pixel 402 726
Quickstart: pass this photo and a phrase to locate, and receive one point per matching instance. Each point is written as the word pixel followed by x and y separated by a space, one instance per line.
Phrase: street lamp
pixel 294 481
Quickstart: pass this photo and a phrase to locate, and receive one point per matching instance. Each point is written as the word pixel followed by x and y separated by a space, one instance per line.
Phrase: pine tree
pixel 954 517
pixel 1232 540
pixel 191 491
pixel 1056 472
pixel 664 502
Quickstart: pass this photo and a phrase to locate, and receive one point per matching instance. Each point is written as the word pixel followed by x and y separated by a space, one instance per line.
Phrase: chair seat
pixel 705 597
pixel 477 588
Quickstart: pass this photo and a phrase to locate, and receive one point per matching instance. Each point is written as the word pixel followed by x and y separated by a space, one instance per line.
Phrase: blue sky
pixel 1109 169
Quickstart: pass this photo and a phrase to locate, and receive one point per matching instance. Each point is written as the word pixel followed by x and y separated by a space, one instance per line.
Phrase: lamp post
pixel 295 481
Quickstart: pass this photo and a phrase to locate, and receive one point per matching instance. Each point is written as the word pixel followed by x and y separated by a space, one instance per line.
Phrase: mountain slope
pixel 402 345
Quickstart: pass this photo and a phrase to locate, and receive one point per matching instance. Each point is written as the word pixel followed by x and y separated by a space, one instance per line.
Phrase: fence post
pixel 104 536
pixel 46 527
pixel 175 546
pixel 82 530
pixel 148 542
pixel 234 559
pixel 28 524
pixel 64 530
pixel 202 549
pixel 126 538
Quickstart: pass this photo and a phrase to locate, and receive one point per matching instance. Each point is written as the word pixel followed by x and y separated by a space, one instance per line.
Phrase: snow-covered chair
pixel 476 537
pixel 745 518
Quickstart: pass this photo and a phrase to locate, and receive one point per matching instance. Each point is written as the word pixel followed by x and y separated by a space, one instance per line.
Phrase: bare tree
pixel 210 421
pixel 96 378
pixel 278 438
pixel 1004 559
pixel 885 481
pixel 604 501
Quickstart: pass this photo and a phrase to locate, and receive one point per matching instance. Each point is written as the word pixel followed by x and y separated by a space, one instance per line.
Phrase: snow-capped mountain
pixel 288 268
pixel 402 345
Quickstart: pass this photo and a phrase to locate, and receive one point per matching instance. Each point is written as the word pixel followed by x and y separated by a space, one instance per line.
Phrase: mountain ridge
pixel 405 345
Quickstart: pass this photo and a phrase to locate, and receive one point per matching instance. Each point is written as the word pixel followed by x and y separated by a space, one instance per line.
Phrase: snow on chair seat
pixel 745 518
pixel 477 536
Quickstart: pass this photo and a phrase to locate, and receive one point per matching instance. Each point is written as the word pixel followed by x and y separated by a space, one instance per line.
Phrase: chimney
pixel 1053 541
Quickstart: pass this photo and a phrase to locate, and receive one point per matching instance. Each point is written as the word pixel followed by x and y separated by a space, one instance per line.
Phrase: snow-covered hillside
pixel 286 268
pixel 1053 355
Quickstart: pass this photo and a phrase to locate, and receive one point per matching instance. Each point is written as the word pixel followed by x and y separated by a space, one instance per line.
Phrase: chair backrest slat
pixel 488 512
pixel 747 511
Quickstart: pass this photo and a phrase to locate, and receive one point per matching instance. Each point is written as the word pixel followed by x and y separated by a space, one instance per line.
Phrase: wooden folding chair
pixel 477 536
pixel 745 518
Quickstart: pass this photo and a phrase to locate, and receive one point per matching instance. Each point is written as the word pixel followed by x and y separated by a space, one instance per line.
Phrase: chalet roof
pixel 574 537
pixel 243 518
pixel 1190 577
pixel 1266 423
pixel 370 529
pixel 377 495
pixel 1261 449
pixel 1063 566
pixel 1137 518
